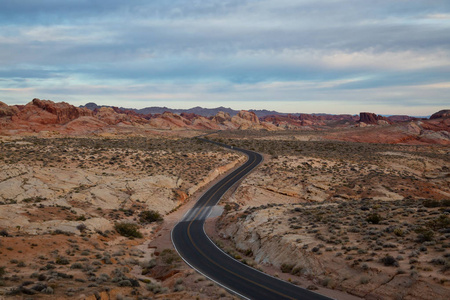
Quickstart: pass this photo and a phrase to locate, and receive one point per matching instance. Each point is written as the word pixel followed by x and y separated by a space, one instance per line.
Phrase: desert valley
pixel 350 206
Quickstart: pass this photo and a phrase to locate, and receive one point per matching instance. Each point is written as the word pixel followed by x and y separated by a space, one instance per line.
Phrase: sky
pixel 310 56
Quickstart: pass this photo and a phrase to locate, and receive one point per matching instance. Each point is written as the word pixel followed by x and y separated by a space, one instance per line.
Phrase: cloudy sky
pixel 333 56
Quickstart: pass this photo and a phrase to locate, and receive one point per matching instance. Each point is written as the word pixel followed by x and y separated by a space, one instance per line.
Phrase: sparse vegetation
pixel 128 229
pixel 351 206
pixel 150 216
pixel 373 218
pixel 287 268
pixel 331 188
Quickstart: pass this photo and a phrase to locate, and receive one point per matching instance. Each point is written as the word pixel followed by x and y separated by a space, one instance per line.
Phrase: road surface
pixel 198 251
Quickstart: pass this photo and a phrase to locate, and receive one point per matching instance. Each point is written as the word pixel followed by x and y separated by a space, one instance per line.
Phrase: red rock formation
pixel 221 117
pixel 438 124
pixel 435 131
pixel 169 120
pixel 249 116
pixel 401 118
pixel 7 111
pixel 203 123
pixel 292 121
pixel 126 112
pixel 445 113
pixel 189 116
pixel 368 118
pixel 371 118
pixel 63 111
pixel 288 121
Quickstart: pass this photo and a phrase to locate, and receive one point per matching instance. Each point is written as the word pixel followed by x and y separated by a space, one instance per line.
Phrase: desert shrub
pixel 297 270
pixel 398 232
pixel 327 281
pixel 81 218
pixel 389 260
pixel 446 267
pixel 169 256
pixel 155 288
pixel 128 229
pixel 2 271
pixel 227 207
pixel 286 268
pixel 150 216
pixel 61 260
pixel 424 235
pixel 125 282
pixel 76 265
pixel 4 232
pixel 438 261
pixel 178 288
pixel 436 203
pixel 248 252
pixel 439 223
pixel 81 227
pixel 364 280
pixel 373 218
pixel 34 199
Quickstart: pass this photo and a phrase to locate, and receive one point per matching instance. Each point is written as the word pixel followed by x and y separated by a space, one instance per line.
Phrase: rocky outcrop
pixel 63 111
pixel 189 116
pixel 249 116
pixel 435 131
pixel 221 117
pixel 288 122
pixel 7 111
pixel 298 121
pixel 445 113
pixel 39 115
pixel 245 120
pixel 111 117
pixel 401 118
pixel 250 234
pixel 203 123
pixel 372 119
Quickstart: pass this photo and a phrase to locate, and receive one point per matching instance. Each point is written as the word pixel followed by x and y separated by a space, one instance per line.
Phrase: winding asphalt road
pixel 198 251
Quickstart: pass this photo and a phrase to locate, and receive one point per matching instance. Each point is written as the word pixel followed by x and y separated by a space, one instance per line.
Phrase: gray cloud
pixel 360 45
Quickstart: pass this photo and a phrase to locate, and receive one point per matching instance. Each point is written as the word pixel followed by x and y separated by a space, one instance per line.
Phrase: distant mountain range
pixel 206 112
pixel 51 119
